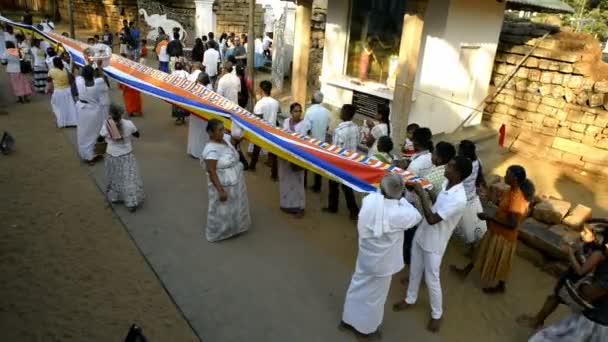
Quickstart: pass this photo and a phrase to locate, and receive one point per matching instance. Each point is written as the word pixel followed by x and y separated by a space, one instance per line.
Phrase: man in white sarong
pixel 382 220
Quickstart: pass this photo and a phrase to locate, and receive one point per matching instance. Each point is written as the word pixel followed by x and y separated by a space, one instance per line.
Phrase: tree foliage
pixel 593 17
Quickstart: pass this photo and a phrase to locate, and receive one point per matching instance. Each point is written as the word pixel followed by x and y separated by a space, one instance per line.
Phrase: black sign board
pixel 366 104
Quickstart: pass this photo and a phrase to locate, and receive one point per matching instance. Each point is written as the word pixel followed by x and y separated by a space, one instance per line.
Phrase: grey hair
pixel 392 186
pixel 317 97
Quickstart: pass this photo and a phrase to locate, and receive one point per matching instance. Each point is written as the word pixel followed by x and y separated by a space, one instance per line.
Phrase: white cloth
pixel 266 42
pixel 421 164
pixel 117 148
pixel 429 263
pixel 258 46
pixel 197 136
pixel 268 109
pixel 90 116
pixel 377 131
pixel 64 107
pixel 318 117
pixel 180 73
pixel 10 38
pixel 450 206
pixel 2 44
pixel 229 86
pixel 470 183
pixel 573 328
pixel 471 229
pixel 381 225
pixel 211 58
pixel 47 26
pixel 364 303
pixel 291 182
pixel 347 135
pixel 193 77
pixel 163 56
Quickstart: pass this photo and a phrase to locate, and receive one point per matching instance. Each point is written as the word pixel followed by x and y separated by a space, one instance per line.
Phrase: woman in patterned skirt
pixel 228 212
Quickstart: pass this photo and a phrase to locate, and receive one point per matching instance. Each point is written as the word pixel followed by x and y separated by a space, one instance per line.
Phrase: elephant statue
pixel 157 20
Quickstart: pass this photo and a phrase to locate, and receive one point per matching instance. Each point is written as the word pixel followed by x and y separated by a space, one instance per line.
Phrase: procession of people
pixel 400 224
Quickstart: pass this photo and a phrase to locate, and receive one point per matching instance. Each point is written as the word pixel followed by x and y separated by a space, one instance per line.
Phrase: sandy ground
pixel 69 271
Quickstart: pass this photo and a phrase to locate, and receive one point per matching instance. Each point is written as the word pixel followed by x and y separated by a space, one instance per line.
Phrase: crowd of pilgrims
pixel 400 226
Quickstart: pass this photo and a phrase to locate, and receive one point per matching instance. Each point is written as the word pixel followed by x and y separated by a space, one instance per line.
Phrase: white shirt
pixel 450 205
pixel 377 131
pixel 347 135
pixel 117 148
pixel 258 45
pixel 421 164
pixel 318 117
pixel 39 56
pixel 94 95
pixel 229 87
pixel 13 63
pixel 10 38
pixel 381 225
pixel 163 56
pixel 266 42
pixel 211 58
pixel 268 109
pixel 193 77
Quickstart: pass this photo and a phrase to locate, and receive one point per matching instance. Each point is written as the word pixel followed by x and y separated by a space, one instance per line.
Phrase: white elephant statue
pixel 157 20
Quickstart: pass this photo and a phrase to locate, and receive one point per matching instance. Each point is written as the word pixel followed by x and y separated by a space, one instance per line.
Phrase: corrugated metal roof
pixel 545 6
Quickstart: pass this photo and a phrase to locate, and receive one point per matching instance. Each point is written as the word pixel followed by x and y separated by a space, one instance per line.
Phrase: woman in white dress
pixel 40 67
pixel 228 212
pixel 62 100
pixel 124 182
pixel 90 117
pixel 291 177
pixel 378 129
pixel 470 228
pixel 197 136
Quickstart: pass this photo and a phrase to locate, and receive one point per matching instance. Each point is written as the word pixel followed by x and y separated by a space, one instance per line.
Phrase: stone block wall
pixel 233 16
pixel 93 14
pixel 555 107
pixel 317 36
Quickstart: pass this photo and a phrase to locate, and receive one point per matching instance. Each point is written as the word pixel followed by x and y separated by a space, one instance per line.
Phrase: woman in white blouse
pixel 20 84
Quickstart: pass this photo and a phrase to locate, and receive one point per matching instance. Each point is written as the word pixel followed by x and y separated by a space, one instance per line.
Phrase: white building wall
pixel 450 26
pixel 334 52
pixel 459 46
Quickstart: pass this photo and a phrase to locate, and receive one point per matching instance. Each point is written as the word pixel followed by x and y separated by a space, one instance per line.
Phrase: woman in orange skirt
pixel 494 257
pixel 132 100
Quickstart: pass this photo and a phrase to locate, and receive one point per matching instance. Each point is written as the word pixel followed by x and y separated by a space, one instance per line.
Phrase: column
pixel 204 18
pixel 301 51
pixel 409 51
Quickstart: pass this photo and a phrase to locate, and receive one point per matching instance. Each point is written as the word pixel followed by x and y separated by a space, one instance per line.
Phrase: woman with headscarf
pixel 62 100
pixel 20 84
pixel 383 218
pixel 122 172
pixel 228 212
pixel 494 257
pixel 291 177
pixel 91 92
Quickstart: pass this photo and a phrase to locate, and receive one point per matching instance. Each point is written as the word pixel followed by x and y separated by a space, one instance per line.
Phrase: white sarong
pixel 364 304
pixel 64 107
pixel 89 124
pixel 197 136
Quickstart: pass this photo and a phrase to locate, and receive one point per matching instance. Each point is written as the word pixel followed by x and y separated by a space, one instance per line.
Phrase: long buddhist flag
pixel 351 168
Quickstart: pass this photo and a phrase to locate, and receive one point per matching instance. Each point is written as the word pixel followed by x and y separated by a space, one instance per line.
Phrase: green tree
pixel 590 16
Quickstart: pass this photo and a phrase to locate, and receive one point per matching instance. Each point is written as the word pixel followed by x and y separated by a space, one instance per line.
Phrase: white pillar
pixel 204 17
